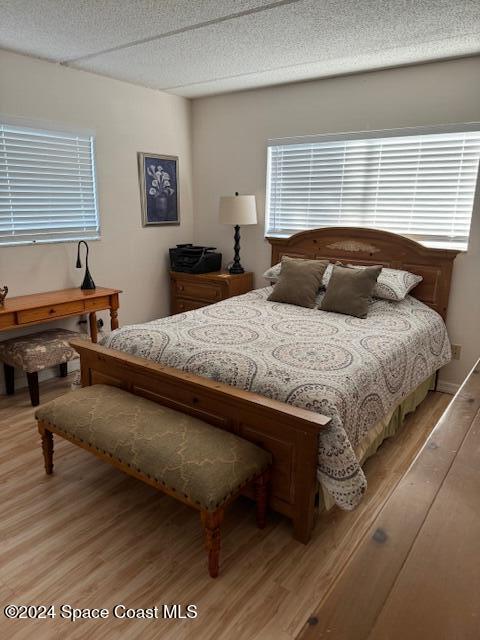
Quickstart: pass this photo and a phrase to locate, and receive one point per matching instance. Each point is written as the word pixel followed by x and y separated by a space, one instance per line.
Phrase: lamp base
pixel 88 283
pixel 236 269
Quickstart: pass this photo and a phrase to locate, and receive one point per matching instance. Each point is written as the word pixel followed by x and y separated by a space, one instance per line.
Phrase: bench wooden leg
pixel 261 498
pixel 9 373
pixel 63 366
pixel 47 447
pixel 32 379
pixel 211 521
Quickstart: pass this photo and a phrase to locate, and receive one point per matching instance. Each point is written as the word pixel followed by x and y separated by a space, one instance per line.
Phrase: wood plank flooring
pixel 416 573
pixel 89 536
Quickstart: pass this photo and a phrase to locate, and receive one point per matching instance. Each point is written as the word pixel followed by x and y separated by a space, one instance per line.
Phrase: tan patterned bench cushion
pixel 40 350
pixel 204 464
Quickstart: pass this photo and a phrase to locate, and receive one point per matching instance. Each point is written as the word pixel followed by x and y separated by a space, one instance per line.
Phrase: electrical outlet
pixel 456 351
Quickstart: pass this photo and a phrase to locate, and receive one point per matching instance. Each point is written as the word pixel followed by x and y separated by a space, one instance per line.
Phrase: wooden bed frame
pixel 289 433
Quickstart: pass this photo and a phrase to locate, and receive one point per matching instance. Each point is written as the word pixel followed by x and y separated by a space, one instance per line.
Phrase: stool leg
pixel 261 497
pixel 63 369
pixel 9 379
pixel 33 388
pixel 47 447
pixel 211 521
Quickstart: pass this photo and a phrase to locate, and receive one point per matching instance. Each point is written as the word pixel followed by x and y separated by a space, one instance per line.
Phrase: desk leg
pixel 93 326
pixel 114 312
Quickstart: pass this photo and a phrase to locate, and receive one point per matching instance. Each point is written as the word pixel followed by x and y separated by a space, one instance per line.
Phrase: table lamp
pixel 237 210
pixel 88 282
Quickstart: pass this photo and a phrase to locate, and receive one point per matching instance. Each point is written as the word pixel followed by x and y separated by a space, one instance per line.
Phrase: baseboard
pixel 448 387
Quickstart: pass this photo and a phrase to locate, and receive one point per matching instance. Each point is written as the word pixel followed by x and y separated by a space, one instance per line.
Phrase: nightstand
pixel 194 290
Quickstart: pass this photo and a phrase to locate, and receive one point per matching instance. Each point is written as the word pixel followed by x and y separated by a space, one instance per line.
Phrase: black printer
pixel 192 259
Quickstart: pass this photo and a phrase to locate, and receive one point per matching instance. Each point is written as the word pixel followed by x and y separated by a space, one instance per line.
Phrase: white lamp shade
pixel 239 210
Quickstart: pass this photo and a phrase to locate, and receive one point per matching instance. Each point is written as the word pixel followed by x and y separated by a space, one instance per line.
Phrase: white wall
pixel 229 154
pixel 126 119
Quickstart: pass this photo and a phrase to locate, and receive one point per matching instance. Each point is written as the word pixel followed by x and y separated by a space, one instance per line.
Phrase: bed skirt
pixel 384 429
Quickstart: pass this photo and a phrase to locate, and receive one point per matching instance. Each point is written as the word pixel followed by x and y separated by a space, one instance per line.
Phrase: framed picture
pixel 158 176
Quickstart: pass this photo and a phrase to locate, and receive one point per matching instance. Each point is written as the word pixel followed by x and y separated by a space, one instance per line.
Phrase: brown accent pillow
pixel 349 290
pixel 299 281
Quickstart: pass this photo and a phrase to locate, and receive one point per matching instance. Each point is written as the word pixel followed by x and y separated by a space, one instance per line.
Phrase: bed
pixel 341 375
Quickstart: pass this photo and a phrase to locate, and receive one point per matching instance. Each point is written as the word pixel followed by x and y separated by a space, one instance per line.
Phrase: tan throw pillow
pixel 299 282
pixel 392 284
pixel 349 290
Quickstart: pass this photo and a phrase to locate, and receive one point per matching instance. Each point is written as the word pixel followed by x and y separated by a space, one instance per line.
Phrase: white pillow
pixel 395 284
pixel 273 273
pixel 392 284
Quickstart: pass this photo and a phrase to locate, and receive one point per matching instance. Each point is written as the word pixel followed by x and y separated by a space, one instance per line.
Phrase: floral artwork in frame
pixel 158 175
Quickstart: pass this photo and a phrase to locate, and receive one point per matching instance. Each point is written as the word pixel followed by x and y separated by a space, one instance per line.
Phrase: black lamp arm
pixel 79 264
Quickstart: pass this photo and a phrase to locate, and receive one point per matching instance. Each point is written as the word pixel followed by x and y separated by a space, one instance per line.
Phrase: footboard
pixel 289 433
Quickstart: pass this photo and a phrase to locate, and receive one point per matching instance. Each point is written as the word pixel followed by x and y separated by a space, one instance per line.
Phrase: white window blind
pixel 420 185
pixel 47 186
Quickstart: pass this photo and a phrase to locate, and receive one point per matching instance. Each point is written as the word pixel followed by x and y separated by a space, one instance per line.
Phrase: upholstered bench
pixel 36 352
pixel 200 465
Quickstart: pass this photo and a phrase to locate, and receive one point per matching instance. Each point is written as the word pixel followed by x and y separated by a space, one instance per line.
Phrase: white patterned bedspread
pixel 353 370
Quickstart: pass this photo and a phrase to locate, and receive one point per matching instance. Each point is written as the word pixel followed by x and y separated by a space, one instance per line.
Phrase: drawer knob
pixel 52 311
pixel 180 287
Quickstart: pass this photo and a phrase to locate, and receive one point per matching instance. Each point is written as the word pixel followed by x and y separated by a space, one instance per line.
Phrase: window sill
pixel 25 243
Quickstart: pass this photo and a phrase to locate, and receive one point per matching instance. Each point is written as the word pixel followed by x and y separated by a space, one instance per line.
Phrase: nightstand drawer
pixel 210 292
pixel 190 291
pixel 187 305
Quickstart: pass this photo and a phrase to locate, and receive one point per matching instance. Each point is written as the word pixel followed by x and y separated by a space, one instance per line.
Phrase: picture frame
pixel 159 189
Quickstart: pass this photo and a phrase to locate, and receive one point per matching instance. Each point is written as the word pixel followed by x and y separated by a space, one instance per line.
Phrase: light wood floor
pixel 91 537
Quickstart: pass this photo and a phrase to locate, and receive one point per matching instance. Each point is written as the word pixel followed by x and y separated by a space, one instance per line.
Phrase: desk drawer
pixel 54 311
pixel 210 292
pixel 97 303
pixel 7 320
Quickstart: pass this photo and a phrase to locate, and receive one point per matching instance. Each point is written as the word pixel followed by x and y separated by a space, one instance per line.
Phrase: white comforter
pixel 353 370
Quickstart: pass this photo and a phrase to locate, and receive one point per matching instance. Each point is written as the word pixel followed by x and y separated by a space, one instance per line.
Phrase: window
pixel 412 182
pixel 47 186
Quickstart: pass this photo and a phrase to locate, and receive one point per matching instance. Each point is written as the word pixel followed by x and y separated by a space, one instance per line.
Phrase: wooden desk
pixel 23 311
pixel 416 573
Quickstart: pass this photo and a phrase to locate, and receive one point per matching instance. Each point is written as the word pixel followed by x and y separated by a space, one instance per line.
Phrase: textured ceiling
pixel 200 47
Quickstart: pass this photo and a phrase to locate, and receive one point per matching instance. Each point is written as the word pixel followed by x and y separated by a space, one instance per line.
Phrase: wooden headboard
pixel 370 246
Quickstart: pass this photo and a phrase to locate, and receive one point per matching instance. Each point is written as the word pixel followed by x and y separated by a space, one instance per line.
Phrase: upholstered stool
pixel 200 465
pixel 35 352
